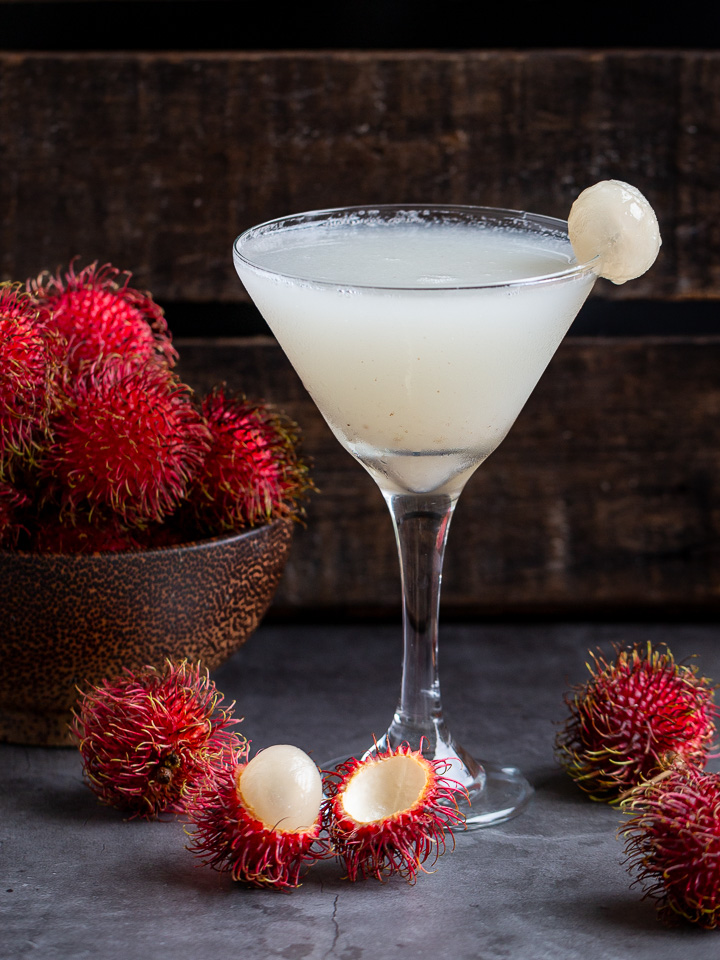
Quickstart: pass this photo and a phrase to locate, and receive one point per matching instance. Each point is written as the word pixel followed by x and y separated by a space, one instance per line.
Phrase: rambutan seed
pixel 150 739
pixel 252 473
pixel 102 317
pixel 262 823
pixel 130 440
pixel 672 843
pixel 390 813
pixel 633 718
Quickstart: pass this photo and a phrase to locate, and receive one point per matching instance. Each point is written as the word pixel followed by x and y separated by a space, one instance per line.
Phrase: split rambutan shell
pixel 252 473
pixel 633 718
pixel 673 843
pixel 102 317
pixel 130 440
pixel 28 371
pixel 390 813
pixel 150 739
pixel 262 823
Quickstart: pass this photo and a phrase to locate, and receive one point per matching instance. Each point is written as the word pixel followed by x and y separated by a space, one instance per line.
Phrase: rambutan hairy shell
pixel 150 739
pixel 262 824
pixel 130 440
pixel 634 717
pixel 252 473
pixel 28 368
pixel 672 843
pixel 102 317
pixel 390 813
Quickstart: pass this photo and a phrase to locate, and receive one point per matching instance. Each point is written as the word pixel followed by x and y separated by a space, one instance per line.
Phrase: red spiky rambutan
pixel 52 534
pixel 13 503
pixel 252 473
pixel 130 440
pixel 102 317
pixel 390 813
pixel 672 843
pixel 634 717
pixel 149 739
pixel 28 366
pixel 263 822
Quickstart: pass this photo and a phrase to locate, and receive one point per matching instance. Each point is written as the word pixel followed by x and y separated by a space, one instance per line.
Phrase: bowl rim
pixel 117 556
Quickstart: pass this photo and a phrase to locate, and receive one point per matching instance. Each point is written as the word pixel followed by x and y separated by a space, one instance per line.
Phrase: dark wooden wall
pixel 604 498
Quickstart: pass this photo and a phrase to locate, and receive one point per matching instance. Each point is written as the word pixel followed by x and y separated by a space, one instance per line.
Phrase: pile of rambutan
pixel 103 447
pixel 159 742
pixel 639 734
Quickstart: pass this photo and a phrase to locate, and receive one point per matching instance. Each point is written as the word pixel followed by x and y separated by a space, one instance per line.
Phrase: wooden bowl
pixel 68 621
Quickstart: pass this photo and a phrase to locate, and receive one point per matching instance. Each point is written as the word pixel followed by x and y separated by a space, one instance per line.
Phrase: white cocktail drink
pixel 408 336
pixel 420 333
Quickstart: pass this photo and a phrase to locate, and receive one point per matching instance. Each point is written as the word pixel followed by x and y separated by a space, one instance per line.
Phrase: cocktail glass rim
pixel 511 218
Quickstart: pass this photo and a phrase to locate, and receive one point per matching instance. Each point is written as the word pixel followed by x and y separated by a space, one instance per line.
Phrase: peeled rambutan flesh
pixel 130 440
pixel 102 317
pixel 252 473
pixel 390 813
pixel 263 823
pixel 150 739
pixel 27 367
pixel 672 843
pixel 633 718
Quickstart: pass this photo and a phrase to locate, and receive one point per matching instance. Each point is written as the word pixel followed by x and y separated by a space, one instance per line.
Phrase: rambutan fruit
pixel 130 440
pixel 27 370
pixel 389 813
pixel 633 718
pixel 252 473
pixel 101 316
pixel 150 738
pixel 263 822
pixel 13 503
pixel 52 533
pixel 672 843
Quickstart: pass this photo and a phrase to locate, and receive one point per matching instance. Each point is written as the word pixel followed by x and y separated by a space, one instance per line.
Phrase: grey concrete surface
pixel 77 881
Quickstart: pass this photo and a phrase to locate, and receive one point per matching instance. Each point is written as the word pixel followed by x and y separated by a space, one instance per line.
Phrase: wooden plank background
pixel 155 161
pixel 604 496
pixel 603 499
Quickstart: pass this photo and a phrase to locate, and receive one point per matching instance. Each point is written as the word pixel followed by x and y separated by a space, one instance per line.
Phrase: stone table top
pixel 77 881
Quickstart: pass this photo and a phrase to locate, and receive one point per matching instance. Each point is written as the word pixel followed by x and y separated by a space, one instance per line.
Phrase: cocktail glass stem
pixel 494 794
pixel 421 523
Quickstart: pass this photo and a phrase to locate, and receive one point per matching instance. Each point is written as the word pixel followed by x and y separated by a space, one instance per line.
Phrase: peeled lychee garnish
pixel 13 503
pixel 673 844
pixel 635 717
pixel 102 316
pixel 389 814
pixel 131 441
pixel 27 370
pixel 150 739
pixel 612 220
pixel 262 825
pixel 252 472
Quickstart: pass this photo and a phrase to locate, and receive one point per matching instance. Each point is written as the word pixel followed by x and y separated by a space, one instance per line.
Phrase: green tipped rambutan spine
pixel 672 843
pixel 102 317
pixel 633 718
pixel 253 472
pixel 151 738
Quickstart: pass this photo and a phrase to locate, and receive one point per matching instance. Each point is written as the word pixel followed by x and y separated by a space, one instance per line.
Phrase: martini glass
pixel 420 332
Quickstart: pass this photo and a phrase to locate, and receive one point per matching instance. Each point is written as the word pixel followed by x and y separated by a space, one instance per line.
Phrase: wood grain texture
pixel 605 496
pixel 155 161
